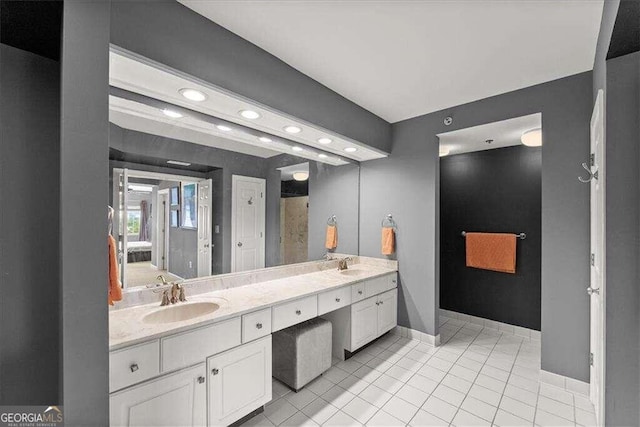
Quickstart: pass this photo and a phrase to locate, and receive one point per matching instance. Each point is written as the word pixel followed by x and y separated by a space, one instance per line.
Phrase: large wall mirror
pixel 206 183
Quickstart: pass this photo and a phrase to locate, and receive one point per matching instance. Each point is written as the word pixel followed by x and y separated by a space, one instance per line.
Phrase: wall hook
pixel 592 175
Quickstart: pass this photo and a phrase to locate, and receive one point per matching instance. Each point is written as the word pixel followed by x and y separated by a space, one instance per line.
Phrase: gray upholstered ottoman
pixel 302 352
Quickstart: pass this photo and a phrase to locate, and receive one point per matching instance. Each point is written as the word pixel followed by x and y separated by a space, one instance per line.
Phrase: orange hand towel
pixel 388 240
pixel 491 251
pixel 115 289
pixel 331 241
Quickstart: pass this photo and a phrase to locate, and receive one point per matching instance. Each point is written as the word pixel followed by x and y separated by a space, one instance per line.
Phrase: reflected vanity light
pixel 265 139
pixel 351 149
pixel 532 138
pixel 325 140
pixel 250 114
pixel 296 148
pixel 179 163
pixel 140 188
pixel 223 128
pixel 171 113
pixel 292 129
pixel 322 156
pixel 301 176
pixel 193 94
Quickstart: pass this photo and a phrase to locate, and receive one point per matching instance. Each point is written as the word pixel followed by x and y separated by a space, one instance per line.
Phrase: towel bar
pixel 520 236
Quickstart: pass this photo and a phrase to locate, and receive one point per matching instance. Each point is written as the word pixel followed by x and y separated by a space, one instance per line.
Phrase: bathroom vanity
pixel 207 361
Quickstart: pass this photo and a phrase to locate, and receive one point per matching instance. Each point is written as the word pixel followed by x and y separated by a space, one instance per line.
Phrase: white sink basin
pixel 180 312
pixel 352 272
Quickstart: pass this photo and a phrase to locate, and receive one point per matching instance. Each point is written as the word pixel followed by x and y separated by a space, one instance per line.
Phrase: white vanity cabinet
pixel 239 381
pixel 178 399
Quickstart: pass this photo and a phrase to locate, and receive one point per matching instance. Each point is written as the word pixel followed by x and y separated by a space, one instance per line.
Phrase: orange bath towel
pixel 388 240
pixel 331 241
pixel 115 289
pixel 491 251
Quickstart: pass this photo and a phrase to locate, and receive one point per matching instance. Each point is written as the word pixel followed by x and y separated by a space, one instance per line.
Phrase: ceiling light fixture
pixel 265 139
pixel 171 113
pixel 140 188
pixel 322 156
pixel 532 138
pixel 351 149
pixel 301 176
pixel 296 148
pixel 179 163
pixel 325 140
pixel 223 128
pixel 250 114
pixel 193 94
pixel 292 129
pixel 444 151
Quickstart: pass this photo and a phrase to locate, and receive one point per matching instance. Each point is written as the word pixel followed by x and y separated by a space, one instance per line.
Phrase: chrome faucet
pixel 342 263
pixel 161 277
pixel 173 295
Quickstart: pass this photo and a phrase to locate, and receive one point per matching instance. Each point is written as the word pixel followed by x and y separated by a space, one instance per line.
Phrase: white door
pixel 247 223
pixel 204 228
pixel 364 322
pixel 239 381
pixel 597 285
pixel 178 399
pixel 387 311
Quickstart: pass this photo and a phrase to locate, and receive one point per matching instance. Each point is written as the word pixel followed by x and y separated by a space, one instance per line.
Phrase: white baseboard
pixel 566 383
pixel 416 335
pixel 531 334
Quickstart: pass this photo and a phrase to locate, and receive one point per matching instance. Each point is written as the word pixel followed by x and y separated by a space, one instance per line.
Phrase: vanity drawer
pixel 291 313
pixel 256 325
pixel 333 300
pixel 191 347
pixel 380 284
pixel 133 365
pixel 357 292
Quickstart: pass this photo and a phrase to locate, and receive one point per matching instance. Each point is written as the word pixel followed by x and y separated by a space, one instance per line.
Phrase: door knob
pixel 337 299
pixel 215 371
pixel 592 291
pixel 239 244
pixel 360 292
pixel 200 380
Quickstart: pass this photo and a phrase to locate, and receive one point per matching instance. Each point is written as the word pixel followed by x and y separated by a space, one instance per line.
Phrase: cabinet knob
pixel 360 292
pixel 215 371
pixel 298 312
pixel 337 299
pixel 133 367
pixel 394 281
pixel 381 302
pixel 200 380
pixel 377 302
pixel 259 325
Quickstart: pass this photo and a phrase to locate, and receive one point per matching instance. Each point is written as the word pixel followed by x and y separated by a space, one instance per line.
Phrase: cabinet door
pixel 239 381
pixel 178 399
pixel 363 322
pixel 387 311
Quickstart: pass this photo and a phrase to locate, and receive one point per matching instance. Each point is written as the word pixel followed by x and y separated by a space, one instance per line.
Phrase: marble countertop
pixel 126 326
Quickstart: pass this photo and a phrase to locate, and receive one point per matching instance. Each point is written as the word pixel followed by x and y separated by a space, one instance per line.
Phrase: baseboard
pixel 531 334
pixel 416 335
pixel 566 383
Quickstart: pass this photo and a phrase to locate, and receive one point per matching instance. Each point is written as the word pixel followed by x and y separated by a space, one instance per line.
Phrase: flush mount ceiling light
pixel 179 163
pixel 292 129
pixel 171 113
pixel 250 114
pixel 351 149
pixel 301 176
pixel 265 139
pixel 193 94
pixel 444 151
pixel 532 138
pixel 223 128
pixel 322 156
pixel 325 140
pixel 296 149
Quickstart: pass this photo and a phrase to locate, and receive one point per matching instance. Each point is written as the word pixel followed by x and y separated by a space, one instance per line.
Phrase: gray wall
pixel 172 34
pixel 83 199
pixel 333 190
pixel 406 185
pixel 29 231
pixel 622 182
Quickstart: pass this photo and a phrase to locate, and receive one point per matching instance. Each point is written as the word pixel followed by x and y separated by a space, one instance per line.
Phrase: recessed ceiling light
pixel 171 113
pixel 250 114
pixel 444 151
pixel 532 138
pixel 296 148
pixel 265 139
pixel 193 95
pixel 325 140
pixel 322 156
pixel 351 149
pixel 179 163
pixel 301 176
pixel 223 128
pixel 292 129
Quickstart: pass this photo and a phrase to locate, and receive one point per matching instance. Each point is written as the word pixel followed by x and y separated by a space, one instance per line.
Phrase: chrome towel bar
pixel 520 236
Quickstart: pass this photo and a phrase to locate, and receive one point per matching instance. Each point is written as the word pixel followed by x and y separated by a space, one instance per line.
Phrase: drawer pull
pixel 215 371
pixel 258 325
pixel 133 367
pixel 200 380
pixel 298 312
pixel 337 299
pixel 360 292
pixel 377 302
pixel 381 302
pixel 394 281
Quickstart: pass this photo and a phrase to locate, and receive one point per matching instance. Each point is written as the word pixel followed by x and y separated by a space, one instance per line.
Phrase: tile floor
pixel 477 377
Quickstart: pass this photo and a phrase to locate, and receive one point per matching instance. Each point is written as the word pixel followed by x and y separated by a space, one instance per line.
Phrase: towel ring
pixel 332 220
pixel 388 221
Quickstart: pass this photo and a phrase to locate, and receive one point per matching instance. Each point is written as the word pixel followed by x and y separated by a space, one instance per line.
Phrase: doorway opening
pixel 294 213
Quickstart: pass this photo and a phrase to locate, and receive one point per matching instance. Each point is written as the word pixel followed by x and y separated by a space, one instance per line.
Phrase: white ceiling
pixel 286 172
pixel 401 59
pixel 505 133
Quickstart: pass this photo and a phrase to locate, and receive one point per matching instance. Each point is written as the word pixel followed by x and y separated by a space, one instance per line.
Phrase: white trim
pixel 565 383
pixel 506 328
pixel 263 199
pixel 416 335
